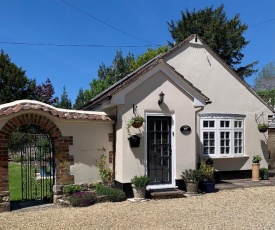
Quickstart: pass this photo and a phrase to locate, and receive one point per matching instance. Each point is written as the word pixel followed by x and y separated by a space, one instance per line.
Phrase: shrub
pixel 140 181
pixel 114 195
pixel 191 175
pixel 82 199
pixel 73 188
pixel 16 158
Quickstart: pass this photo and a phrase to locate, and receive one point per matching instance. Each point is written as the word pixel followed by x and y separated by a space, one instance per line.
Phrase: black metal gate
pixel 37 168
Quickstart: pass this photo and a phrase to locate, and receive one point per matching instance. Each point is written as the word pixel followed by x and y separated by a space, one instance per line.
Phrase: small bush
pixel 16 158
pixel 114 195
pixel 71 189
pixel 82 199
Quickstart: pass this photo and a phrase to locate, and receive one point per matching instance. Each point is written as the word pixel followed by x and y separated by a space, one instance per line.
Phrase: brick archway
pixel 63 160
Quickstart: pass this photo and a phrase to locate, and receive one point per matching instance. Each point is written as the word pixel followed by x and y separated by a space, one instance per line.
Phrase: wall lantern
pixel 161 98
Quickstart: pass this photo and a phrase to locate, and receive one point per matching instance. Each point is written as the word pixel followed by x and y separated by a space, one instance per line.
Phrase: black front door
pixel 159 149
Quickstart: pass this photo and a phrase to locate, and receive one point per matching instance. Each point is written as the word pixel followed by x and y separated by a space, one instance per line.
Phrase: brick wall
pixel 63 160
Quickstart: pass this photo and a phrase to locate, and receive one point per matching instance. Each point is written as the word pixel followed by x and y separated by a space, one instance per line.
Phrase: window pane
pixel 212 124
pixel 212 150
pixel 212 135
pixel 205 150
pixel 205 124
pixel 164 125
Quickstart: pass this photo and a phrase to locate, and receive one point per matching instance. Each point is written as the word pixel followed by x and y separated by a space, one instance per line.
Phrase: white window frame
pixel 217 129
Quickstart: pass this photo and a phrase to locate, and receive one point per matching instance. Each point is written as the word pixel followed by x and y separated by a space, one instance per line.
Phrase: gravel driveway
pixel 249 208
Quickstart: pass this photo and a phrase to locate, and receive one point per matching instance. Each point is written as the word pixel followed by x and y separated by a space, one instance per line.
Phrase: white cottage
pixel 195 106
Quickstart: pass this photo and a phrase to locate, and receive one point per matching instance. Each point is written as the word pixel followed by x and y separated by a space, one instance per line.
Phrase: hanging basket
pixel 137 124
pixel 134 141
pixel 263 130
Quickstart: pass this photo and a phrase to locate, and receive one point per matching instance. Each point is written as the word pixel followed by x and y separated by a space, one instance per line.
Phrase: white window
pixel 222 136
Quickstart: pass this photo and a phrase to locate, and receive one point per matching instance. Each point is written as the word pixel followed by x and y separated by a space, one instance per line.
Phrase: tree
pixel 14 84
pixel 265 84
pixel 147 56
pixel 45 92
pixel 65 102
pixel 120 68
pixel 223 35
pixel 266 78
pixel 80 99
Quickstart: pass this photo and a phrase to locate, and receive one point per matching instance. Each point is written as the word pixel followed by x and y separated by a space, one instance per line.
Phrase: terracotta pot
pixel 255 172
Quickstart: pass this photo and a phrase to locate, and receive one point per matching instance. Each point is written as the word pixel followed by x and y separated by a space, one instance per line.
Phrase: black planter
pixel 263 130
pixel 134 141
pixel 208 186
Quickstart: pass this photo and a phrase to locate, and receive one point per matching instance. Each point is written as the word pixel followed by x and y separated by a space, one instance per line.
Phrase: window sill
pixel 220 157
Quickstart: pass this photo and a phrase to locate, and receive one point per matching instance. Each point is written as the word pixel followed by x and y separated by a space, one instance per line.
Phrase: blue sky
pixel 53 21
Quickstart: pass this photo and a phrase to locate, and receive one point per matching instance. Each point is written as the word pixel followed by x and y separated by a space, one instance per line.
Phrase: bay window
pixel 222 135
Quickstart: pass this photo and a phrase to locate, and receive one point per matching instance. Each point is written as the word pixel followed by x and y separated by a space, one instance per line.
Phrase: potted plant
pixel 135 122
pixel 262 127
pixel 256 167
pixel 207 176
pixel 191 178
pixel 139 184
pixel 264 173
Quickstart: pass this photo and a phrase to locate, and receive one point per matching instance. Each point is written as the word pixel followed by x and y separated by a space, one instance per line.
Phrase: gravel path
pixel 249 208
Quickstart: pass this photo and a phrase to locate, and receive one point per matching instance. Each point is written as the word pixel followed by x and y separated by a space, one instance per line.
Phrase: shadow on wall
pixel 139 155
pixel 229 164
pixel 264 150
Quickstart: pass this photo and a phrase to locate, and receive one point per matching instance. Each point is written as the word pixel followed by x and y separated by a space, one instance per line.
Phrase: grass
pixel 15 184
pixel 15 181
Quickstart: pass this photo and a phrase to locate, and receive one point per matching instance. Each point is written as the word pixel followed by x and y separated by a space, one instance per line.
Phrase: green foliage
pixel 263 171
pixel 105 173
pixel 16 158
pixel 114 195
pixel 268 96
pixel 147 56
pixel 223 35
pixel 15 182
pixel 135 119
pixel 191 175
pixel 14 83
pixel 256 159
pixel 16 139
pixel 206 170
pixel 268 71
pixel 262 126
pixel 65 102
pixel 140 181
pixel 80 99
pixel 82 199
pixel 71 189
pixel 120 68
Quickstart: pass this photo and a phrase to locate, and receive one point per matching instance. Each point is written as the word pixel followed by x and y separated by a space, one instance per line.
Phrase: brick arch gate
pixel 63 160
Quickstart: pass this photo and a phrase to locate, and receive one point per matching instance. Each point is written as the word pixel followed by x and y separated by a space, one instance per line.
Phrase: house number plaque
pixel 185 129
